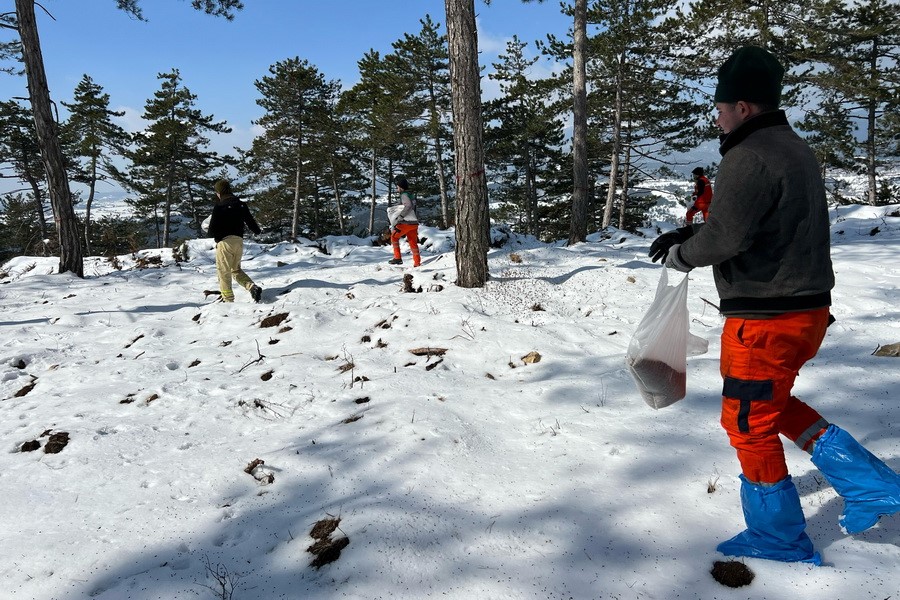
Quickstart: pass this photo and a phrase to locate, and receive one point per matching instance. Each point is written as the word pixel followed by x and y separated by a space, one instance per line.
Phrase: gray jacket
pixel 768 236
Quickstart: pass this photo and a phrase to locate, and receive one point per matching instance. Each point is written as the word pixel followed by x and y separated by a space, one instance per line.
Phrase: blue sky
pixel 220 60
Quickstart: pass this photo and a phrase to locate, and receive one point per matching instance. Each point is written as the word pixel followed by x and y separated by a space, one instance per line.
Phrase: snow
pixel 467 475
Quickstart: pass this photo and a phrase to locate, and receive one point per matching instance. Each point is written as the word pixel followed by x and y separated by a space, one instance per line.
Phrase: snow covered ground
pixel 460 471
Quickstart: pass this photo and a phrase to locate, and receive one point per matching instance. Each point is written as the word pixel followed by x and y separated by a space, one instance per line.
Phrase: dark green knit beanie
pixel 222 187
pixel 750 74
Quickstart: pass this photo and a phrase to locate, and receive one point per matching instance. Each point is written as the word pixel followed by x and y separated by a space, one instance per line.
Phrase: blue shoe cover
pixel 775 525
pixel 869 487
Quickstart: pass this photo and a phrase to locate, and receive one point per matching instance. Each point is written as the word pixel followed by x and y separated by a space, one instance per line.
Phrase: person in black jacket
pixel 226 226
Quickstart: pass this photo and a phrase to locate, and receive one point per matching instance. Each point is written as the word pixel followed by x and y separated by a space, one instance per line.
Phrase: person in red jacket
pixel 702 197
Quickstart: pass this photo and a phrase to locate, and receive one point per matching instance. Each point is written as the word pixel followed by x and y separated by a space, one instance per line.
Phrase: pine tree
pixel 169 157
pixel 425 60
pixel 859 44
pixel 524 135
pixel 296 98
pixel 71 256
pixel 382 108
pixel 653 111
pixel 702 35
pixel 90 135
pixel 20 151
pixel 341 171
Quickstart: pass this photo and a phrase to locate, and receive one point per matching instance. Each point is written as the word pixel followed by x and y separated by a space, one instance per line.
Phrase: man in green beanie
pixel 226 227
pixel 768 242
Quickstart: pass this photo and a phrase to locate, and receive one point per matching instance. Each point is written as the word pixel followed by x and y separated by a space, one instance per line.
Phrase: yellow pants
pixel 228 266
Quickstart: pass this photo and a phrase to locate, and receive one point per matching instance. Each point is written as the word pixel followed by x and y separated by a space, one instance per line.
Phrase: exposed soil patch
pixel 56 443
pixel 274 320
pixel 364 400
pixel 732 573
pixel 25 389
pixel 352 419
pixel 266 376
pixel 30 446
pixel 324 528
pixel 408 285
pixel 326 549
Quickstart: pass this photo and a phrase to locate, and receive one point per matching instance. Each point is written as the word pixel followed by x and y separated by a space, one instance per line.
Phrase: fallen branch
pixel 254 361
pixel 711 304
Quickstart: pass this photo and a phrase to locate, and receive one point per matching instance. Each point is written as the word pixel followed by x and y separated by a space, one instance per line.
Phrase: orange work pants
pixel 410 231
pixel 760 360
pixel 689 217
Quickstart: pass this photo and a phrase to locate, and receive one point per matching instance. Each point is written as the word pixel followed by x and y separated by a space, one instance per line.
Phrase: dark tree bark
pixel 472 219
pixel 578 224
pixel 70 253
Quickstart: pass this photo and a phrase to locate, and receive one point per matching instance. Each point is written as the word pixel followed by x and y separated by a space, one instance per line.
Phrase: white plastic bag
pixel 393 213
pixel 657 354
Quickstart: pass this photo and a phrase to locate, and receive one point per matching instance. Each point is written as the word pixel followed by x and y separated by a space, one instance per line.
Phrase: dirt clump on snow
pixel 732 573
pixel 326 549
pixel 56 443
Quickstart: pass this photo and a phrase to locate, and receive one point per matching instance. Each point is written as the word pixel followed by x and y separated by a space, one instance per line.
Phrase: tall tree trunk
pixel 316 223
pixel 439 158
pixel 167 207
pixel 337 197
pixel 578 223
pixel 530 195
pixel 616 140
pixel 871 165
pixel 192 202
pixel 372 208
pixel 442 182
pixel 38 203
pixel 625 169
pixel 472 219
pixel 70 254
pixel 295 218
pixel 92 187
pixel 390 187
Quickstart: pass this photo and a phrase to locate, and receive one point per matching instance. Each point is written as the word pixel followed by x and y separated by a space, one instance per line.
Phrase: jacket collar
pixel 760 121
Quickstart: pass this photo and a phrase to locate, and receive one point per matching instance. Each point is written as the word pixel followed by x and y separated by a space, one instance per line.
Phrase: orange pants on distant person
pixel 410 231
pixel 760 361
pixel 699 206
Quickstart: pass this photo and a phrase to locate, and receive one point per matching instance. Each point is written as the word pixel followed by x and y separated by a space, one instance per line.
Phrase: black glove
pixel 659 249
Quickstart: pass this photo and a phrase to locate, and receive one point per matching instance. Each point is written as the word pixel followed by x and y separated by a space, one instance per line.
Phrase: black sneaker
pixel 395 261
pixel 256 293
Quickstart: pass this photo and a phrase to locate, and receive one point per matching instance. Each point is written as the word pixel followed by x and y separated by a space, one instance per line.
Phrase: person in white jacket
pixel 404 223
